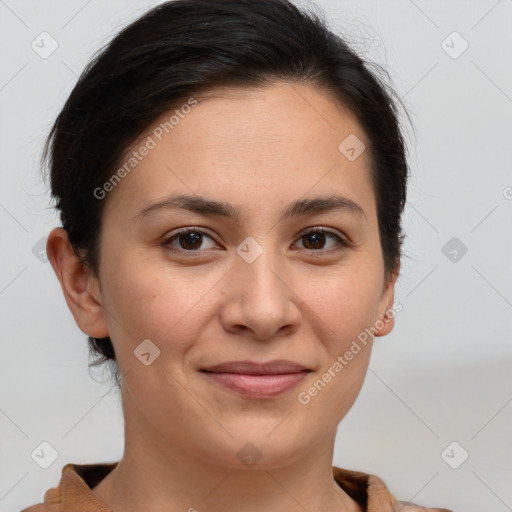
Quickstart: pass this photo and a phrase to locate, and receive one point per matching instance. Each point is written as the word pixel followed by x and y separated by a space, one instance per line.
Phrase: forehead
pixel 240 143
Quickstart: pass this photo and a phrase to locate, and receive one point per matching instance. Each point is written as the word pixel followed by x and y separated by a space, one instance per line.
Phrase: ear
pixel 81 289
pixel 386 304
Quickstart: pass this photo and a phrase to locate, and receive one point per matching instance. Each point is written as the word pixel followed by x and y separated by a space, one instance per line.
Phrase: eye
pixel 316 237
pixel 189 240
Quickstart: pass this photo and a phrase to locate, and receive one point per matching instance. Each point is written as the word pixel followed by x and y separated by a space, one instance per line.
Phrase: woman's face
pixel 248 287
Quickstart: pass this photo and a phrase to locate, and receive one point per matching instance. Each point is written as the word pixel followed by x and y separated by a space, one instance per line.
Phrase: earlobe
pixel 78 285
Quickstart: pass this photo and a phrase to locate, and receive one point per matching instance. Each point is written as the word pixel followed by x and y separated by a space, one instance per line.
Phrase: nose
pixel 259 301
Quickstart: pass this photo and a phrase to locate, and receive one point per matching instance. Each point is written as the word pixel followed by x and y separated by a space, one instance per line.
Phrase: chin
pixel 261 447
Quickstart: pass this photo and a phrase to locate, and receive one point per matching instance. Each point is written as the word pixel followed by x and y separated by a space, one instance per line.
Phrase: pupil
pixel 315 237
pixel 191 240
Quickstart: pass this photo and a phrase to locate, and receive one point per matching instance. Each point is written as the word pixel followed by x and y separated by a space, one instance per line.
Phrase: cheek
pixel 346 303
pixel 153 301
pixel 343 311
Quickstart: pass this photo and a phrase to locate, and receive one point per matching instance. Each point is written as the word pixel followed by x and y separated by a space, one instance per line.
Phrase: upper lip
pixel 277 367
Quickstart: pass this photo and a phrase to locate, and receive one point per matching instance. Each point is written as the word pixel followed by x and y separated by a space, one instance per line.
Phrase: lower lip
pixel 258 386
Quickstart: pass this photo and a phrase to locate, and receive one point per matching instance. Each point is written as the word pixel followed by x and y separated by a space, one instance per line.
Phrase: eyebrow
pixel 208 207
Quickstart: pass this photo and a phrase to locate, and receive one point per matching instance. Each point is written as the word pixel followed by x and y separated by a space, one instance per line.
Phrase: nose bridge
pixel 260 266
pixel 261 295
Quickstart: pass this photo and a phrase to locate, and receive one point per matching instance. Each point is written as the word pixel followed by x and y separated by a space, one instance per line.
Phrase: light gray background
pixel 443 374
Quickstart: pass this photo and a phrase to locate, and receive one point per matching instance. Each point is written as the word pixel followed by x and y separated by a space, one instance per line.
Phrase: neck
pixel 156 476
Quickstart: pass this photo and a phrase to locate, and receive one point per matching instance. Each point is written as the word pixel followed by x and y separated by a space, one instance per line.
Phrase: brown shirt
pixel 74 492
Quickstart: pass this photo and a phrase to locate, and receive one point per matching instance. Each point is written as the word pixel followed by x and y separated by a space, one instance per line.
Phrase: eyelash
pixel 342 242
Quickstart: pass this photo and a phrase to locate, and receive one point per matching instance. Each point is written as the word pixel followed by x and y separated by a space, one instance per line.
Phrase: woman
pixel 230 178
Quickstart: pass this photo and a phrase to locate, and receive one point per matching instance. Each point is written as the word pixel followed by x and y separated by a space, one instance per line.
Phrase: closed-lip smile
pixel 257 380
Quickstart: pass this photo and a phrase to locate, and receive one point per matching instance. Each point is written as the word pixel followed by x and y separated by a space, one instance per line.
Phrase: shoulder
pixel 370 491
pixel 74 489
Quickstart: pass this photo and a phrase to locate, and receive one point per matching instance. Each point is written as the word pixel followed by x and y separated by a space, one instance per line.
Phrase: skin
pixel 258 149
